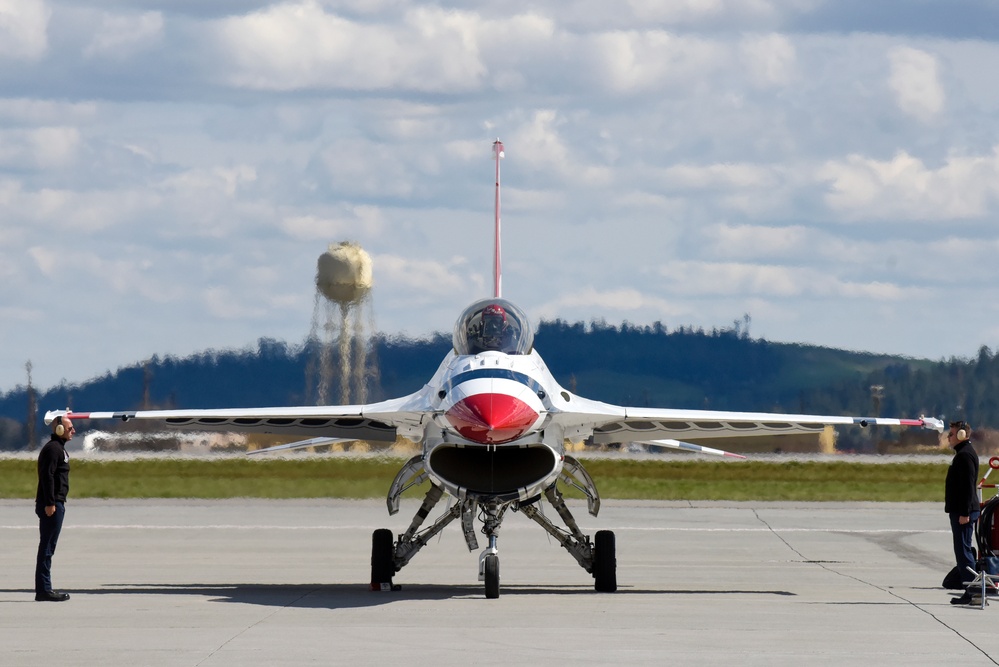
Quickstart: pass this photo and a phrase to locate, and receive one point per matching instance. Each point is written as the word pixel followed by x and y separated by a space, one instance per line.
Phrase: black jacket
pixel 53 473
pixel 961 490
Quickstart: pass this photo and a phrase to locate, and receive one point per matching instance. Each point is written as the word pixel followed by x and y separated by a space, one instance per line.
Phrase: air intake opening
pixel 494 471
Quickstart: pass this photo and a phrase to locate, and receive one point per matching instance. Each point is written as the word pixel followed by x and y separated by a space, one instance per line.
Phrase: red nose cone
pixel 491 418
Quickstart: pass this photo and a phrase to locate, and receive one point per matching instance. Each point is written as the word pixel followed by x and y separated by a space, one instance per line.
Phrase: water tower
pixel 341 320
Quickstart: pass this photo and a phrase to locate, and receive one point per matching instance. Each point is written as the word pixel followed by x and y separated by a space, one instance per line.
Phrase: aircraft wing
pixel 618 424
pixel 373 421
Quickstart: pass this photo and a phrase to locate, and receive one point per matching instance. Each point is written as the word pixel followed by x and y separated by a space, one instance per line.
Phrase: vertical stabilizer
pixel 497 272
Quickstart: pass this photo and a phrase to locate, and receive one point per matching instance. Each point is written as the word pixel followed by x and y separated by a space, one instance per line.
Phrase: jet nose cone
pixel 491 418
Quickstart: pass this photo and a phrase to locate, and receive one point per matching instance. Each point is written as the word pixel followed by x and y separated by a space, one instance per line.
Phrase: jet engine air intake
pixel 492 470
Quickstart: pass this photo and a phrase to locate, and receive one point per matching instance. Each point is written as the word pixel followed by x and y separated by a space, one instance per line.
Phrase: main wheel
pixel 492 576
pixel 382 558
pixel 604 562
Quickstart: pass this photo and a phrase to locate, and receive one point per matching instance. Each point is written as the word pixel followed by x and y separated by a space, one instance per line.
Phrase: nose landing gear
pixel 489 572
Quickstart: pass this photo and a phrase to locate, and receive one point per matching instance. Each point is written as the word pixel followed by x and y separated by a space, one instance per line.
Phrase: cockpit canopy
pixel 493 325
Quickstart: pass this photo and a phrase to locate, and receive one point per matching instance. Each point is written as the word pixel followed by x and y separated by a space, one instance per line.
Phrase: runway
pixel 256 582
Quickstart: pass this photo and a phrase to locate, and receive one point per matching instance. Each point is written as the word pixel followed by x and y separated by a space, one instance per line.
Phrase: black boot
pixel 51 596
pixel 963 599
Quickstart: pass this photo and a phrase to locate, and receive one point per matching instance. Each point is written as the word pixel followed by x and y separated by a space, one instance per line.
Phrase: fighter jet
pixel 493 424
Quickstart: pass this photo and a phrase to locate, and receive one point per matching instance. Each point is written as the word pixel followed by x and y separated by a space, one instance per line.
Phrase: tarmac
pixel 258 582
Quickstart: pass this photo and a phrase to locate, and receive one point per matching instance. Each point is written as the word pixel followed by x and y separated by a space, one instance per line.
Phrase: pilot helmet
pixel 493 320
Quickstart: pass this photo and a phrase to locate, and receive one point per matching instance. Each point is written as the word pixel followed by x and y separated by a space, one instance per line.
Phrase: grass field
pixel 370 477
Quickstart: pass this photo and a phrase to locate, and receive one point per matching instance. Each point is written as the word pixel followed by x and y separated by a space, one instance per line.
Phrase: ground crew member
pixel 961 501
pixel 50 505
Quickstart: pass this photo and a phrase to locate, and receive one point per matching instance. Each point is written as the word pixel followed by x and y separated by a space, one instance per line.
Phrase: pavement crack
pixel 825 566
pixel 255 624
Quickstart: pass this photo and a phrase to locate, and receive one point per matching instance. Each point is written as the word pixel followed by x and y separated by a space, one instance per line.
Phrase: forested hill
pixel 643 366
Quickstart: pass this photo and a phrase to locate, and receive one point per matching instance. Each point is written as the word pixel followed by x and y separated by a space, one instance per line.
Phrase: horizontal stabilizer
pixel 311 442
pixel 690 447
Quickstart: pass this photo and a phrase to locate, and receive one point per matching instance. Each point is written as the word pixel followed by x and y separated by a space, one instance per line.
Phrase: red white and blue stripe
pixel 493 405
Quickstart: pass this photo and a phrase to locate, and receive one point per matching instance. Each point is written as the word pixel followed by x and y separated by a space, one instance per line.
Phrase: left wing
pixel 618 424
pixel 373 421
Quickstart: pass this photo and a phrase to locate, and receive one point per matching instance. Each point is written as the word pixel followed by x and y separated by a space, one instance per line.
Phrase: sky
pixel 170 172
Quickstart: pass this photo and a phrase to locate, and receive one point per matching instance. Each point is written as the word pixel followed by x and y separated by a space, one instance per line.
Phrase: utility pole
pixel 147 380
pixel 877 393
pixel 32 408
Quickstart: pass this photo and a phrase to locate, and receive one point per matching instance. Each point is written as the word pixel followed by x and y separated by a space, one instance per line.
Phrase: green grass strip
pixel 347 477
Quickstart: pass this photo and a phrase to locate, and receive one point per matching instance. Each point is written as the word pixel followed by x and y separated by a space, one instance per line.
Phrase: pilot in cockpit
pixel 492 325
pixel 495 328
pixel 493 331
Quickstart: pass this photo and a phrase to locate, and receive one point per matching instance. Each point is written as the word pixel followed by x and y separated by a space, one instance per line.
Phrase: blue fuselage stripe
pixel 482 373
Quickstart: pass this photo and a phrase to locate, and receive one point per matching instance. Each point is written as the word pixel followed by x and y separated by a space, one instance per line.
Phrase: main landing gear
pixel 597 557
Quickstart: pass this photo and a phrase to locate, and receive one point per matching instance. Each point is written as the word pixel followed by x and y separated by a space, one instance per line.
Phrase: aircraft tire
pixel 604 562
pixel 382 557
pixel 491 566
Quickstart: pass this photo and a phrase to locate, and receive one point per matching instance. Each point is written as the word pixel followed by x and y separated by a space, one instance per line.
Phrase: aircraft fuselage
pixel 492 434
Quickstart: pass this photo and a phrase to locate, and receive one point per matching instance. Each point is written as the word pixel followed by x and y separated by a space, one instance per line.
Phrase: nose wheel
pixel 490 575
pixel 489 569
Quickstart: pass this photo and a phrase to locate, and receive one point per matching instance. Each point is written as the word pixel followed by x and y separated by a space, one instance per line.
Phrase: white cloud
pixel 41 148
pixel 690 278
pixel 221 302
pixel 540 146
pixel 677 10
pixel 120 36
pixel 295 46
pixel 27 316
pixel 125 275
pixel 51 113
pixel 619 300
pixel 24 29
pixel 726 176
pixel 216 180
pixel 425 277
pixel 769 59
pixel 354 222
pixel 637 61
pixel 915 80
pixel 904 188
pixel 755 241
pixel 70 212
pixel 46 258
pixel 740 14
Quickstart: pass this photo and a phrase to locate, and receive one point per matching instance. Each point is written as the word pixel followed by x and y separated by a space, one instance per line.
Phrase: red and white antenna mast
pixel 497 273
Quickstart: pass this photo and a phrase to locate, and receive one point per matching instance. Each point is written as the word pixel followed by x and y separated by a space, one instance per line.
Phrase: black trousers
pixel 49 528
pixel 964 538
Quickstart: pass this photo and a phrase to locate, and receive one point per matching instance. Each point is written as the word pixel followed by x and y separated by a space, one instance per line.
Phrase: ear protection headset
pixel 59 429
pixel 963 431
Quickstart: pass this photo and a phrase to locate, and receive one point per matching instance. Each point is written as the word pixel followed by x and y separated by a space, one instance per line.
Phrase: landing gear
pixel 597 557
pixel 382 560
pixel 492 516
pixel 490 567
pixel 604 562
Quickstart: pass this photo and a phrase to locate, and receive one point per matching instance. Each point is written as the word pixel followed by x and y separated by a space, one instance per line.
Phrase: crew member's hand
pixel 50 510
pixel 963 520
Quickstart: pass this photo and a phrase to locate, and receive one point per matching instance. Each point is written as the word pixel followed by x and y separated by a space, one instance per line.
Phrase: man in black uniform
pixel 961 501
pixel 50 505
